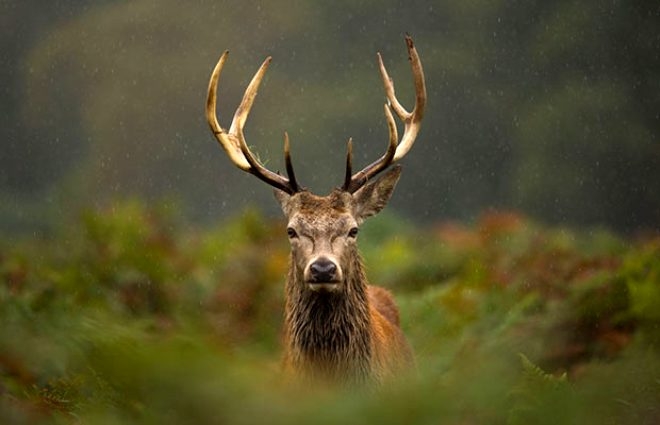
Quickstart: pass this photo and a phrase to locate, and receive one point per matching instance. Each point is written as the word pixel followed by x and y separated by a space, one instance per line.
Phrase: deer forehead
pixel 322 214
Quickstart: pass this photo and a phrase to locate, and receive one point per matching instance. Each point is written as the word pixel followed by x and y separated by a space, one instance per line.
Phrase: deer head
pixel 323 231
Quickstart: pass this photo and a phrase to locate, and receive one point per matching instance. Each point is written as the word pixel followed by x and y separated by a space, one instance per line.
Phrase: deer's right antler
pixel 233 141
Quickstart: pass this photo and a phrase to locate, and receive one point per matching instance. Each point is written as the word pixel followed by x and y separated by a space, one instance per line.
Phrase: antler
pixel 412 123
pixel 233 141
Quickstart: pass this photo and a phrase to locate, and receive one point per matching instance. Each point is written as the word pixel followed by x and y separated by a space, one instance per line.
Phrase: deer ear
pixel 283 199
pixel 373 196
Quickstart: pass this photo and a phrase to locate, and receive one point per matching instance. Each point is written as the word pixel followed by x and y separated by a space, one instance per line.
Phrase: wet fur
pixel 345 337
pixel 349 336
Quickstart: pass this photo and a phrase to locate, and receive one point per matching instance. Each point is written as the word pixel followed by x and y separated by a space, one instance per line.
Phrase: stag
pixel 337 327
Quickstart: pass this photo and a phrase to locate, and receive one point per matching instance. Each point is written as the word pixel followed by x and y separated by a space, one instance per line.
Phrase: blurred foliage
pixel 549 107
pixel 130 316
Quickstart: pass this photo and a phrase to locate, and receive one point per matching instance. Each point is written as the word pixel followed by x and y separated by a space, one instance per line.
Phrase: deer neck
pixel 329 333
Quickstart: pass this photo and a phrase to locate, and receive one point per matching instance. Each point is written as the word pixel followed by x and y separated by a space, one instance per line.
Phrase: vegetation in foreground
pixel 134 318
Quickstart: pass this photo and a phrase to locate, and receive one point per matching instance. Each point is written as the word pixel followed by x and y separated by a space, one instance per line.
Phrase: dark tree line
pixel 547 107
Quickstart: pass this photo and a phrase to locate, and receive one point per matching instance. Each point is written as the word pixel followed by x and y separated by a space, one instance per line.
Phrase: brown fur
pixel 383 301
pixel 349 333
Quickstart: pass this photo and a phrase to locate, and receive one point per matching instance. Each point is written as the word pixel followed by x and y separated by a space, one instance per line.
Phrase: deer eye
pixel 353 232
pixel 291 233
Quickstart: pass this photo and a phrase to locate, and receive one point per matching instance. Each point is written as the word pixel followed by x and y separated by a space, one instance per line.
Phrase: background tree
pixel 549 107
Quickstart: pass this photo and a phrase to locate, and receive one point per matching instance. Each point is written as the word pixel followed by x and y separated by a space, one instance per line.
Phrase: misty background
pixel 547 107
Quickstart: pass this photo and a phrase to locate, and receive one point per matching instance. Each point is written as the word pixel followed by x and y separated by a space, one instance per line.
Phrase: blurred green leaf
pixel 142 320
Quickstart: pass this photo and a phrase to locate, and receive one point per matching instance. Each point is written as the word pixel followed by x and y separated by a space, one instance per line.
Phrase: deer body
pixel 338 328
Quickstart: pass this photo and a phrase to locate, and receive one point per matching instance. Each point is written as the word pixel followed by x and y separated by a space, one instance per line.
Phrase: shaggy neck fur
pixel 328 333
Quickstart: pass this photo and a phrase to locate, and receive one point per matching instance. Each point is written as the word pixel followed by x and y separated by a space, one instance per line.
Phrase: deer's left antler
pixel 412 123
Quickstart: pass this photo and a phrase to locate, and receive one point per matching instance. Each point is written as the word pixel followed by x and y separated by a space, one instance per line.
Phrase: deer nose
pixel 323 270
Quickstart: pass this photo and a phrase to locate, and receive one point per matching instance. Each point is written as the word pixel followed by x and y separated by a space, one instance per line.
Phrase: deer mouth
pixel 323 286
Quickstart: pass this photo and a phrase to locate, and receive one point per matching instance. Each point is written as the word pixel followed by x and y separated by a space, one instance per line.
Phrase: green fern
pixel 540 397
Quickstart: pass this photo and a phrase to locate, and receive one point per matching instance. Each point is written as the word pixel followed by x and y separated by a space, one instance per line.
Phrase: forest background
pixel 141 273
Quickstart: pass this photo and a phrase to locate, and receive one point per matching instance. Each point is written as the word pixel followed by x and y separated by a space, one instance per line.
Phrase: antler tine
pixel 412 120
pixel 233 142
pixel 349 164
pixel 289 166
pixel 358 179
pixel 243 110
